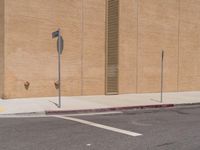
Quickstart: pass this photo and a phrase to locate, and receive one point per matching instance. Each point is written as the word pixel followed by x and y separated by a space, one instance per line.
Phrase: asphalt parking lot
pixel 149 129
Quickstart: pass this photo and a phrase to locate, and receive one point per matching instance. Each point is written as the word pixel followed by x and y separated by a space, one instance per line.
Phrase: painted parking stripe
pixel 94 114
pixel 101 126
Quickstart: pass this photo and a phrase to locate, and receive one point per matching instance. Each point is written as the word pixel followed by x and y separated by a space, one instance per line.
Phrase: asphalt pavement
pixel 175 128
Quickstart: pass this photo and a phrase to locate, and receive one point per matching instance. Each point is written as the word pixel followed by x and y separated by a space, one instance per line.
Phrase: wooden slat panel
pixel 112 46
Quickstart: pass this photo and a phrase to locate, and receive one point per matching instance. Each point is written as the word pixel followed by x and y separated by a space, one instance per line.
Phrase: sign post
pixel 161 79
pixel 60 44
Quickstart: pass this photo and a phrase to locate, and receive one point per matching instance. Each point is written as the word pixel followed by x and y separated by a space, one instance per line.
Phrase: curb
pixel 25 114
pixel 187 104
pixel 53 112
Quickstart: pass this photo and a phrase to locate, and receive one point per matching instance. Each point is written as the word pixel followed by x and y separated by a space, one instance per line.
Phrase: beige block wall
pixel 189 70
pixel 146 27
pixel 1 46
pixel 128 46
pixel 31 53
pixel 93 47
pixel 157 30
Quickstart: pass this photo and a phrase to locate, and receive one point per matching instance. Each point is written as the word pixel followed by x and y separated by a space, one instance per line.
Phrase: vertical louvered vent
pixel 112 30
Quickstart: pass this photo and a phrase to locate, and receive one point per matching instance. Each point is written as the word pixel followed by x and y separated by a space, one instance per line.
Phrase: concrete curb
pixel 53 112
pixel 187 104
pixel 25 114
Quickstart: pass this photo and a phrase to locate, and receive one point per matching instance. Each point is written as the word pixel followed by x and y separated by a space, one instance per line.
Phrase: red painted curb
pixel 50 112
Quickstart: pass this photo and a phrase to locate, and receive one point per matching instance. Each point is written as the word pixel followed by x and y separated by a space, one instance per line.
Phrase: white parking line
pixel 100 126
pixel 94 114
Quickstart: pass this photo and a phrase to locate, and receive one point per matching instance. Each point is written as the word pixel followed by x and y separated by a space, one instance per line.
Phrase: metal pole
pixel 161 84
pixel 59 73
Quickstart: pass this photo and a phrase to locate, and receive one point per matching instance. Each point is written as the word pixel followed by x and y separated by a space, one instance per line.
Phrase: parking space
pixel 164 129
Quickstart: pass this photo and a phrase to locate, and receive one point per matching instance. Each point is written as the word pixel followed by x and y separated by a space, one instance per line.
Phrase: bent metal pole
pixel 161 77
pixel 59 49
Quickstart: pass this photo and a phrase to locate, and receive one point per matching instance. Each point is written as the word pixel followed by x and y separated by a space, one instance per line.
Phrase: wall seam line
pixel 105 86
pixel 82 44
pixel 4 47
pixel 178 64
pixel 137 51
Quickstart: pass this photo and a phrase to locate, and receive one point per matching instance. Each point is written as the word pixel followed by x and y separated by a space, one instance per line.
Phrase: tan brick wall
pixel 93 47
pixel 1 46
pixel 127 46
pixel 189 70
pixel 157 30
pixel 146 27
pixel 31 52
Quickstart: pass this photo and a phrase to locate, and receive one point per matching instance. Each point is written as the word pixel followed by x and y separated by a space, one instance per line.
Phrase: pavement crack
pixel 181 112
pixel 165 144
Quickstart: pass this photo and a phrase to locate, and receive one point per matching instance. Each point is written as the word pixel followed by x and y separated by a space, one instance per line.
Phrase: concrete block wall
pixel 31 55
pixel 128 43
pixel 189 45
pixel 93 47
pixel 1 46
pixel 157 30
pixel 145 28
